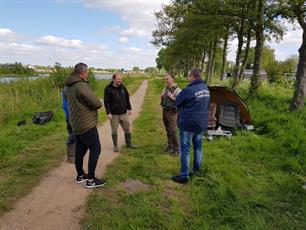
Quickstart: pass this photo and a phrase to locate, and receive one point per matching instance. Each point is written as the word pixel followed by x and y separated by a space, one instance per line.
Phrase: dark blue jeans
pixel 185 141
pixel 89 140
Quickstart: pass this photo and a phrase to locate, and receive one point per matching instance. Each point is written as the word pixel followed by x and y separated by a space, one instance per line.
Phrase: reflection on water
pixel 101 76
pixel 8 78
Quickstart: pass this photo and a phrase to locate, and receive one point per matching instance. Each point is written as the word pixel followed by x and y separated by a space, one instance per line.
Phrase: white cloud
pixel 123 40
pixel 288 46
pixel 9 35
pixel 50 49
pixel 16 49
pixel 290 43
pixel 61 42
pixel 24 47
pixel 132 50
pixel 6 32
pixel 293 36
pixel 138 13
pixel 133 32
pixel 109 29
pixel 25 53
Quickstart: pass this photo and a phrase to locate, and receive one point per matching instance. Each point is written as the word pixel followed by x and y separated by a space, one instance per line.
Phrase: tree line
pixel 197 32
pixel 17 69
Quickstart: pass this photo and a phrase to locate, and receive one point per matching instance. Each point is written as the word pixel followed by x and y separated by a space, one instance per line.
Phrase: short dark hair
pixel 80 67
pixel 195 72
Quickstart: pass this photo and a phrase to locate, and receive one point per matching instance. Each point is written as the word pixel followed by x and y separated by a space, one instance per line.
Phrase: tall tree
pixel 267 25
pixel 246 53
pixel 297 10
pixel 259 31
pixel 224 54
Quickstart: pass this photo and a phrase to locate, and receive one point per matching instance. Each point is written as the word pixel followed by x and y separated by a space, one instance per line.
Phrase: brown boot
pixel 115 142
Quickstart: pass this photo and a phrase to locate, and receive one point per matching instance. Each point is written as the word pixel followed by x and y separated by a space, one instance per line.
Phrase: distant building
pixel 31 67
pixel 248 73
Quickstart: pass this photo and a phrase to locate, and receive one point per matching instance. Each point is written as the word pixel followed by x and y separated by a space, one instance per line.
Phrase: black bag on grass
pixel 42 118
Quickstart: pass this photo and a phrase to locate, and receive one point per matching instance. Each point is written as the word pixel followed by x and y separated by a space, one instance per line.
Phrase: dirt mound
pixel 132 186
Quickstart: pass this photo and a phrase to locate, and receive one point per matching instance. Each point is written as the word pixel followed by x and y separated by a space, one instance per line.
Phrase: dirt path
pixel 58 202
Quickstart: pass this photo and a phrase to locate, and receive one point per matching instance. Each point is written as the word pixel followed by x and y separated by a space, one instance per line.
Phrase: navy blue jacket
pixel 65 104
pixel 193 103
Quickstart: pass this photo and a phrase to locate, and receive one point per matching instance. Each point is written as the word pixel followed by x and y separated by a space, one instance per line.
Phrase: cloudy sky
pixel 102 33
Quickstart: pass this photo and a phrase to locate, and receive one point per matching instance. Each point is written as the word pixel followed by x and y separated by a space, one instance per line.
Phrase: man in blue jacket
pixel 192 103
pixel 71 137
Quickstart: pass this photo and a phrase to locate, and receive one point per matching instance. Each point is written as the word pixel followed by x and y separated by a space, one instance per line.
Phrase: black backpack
pixel 229 115
pixel 42 118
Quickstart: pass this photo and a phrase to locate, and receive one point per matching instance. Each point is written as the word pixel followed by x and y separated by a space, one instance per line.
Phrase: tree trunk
pixel 255 80
pixel 203 60
pixel 224 55
pixel 187 62
pixel 300 85
pixel 246 54
pixel 213 59
pixel 211 50
pixel 238 55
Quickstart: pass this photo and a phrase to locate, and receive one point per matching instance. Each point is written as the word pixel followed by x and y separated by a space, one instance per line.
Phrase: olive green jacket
pixel 83 104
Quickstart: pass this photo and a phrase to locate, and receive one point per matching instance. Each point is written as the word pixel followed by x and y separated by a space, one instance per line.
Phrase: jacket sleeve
pixel 129 107
pixel 89 97
pixel 181 98
pixel 107 101
pixel 65 106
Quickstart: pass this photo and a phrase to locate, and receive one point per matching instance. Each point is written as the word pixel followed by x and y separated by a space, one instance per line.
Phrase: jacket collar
pixel 74 78
pixel 111 84
pixel 174 86
pixel 197 81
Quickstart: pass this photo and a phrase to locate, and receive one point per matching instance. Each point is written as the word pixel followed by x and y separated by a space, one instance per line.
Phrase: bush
pixel 59 74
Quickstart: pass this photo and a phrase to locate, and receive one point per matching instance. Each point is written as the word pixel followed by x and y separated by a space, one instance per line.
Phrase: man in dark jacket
pixel 118 107
pixel 193 103
pixel 83 105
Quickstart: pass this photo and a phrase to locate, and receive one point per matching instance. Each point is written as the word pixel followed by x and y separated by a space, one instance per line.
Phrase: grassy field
pixel 252 181
pixel 28 152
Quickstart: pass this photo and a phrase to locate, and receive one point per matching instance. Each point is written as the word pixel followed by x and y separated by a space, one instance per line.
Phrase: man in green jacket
pixel 83 105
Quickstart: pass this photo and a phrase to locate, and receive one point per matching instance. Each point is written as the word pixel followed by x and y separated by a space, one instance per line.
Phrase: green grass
pixel 252 181
pixel 17 97
pixel 28 152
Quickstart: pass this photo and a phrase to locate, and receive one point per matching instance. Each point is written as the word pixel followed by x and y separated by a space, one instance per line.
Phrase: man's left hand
pixel 171 96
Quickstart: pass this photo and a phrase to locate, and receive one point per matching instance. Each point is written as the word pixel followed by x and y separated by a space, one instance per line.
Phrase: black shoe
pixel 94 183
pixel 197 173
pixel 116 149
pixel 168 149
pixel 179 179
pixel 81 179
pixel 131 146
pixel 174 152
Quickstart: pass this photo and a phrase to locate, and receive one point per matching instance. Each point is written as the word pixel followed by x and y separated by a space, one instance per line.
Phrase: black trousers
pixel 89 140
